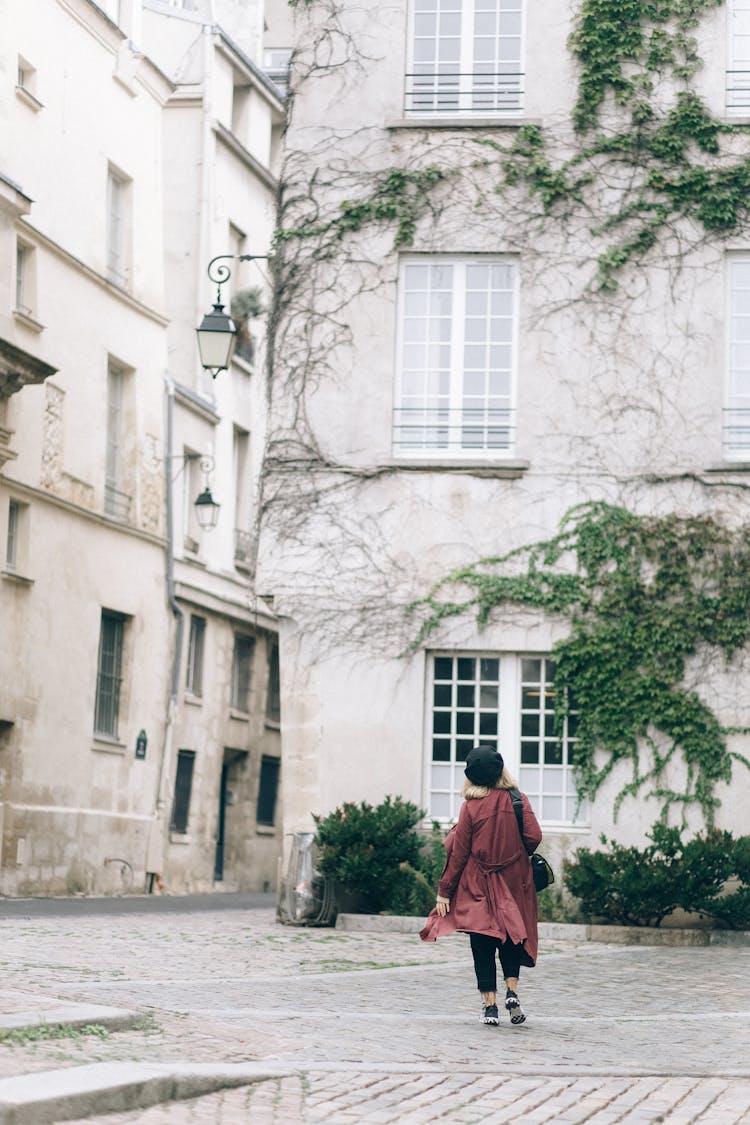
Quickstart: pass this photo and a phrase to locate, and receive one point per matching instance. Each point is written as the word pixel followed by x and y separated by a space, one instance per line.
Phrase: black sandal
pixel 513 1007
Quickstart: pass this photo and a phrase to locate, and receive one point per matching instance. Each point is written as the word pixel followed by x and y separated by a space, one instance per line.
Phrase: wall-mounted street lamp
pixel 217 333
pixel 206 508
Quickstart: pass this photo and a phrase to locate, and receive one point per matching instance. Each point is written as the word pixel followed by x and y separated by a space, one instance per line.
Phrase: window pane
pixel 463 746
pixel 531 671
pixel 443 667
pixel 440 805
pixel 267 790
pixel 488 725
pixel 443 695
pixel 489 669
pixel 107 703
pixel 529 751
pixel 182 790
pixel 552 808
pixel 441 750
pixel 530 726
pixel 441 722
pixel 465 695
pixel 441 777
pixel 465 668
pixel 465 722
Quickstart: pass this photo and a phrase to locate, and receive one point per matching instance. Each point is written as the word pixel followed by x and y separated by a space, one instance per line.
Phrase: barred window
pixel 109 674
pixel 183 787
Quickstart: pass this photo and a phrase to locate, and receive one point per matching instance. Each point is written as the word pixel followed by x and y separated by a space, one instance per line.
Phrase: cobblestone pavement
pixel 382 1028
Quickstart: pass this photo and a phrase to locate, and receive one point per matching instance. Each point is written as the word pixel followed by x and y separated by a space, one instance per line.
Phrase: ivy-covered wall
pixel 617 197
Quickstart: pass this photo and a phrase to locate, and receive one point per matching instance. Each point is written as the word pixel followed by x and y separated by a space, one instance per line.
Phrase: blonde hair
pixel 471 792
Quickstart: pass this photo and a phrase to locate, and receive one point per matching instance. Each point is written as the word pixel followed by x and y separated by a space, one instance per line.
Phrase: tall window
pixel 242 666
pixel 506 701
pixel 24 279
pixel 273 695
pixel 738 58
pixel 464 57
pixel 194 677
pixel 117 223
pixel 267 790
pixel 116 502
pixel 457 325
pixel 183 787
pixel 109 674
pixel 737 408
pixel 12 542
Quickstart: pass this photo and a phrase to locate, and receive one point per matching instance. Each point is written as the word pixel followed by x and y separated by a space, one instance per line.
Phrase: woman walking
pixel 487 889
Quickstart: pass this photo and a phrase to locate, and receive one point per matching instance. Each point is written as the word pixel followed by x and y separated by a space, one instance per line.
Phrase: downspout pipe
pixel 155 856
pixel 174 605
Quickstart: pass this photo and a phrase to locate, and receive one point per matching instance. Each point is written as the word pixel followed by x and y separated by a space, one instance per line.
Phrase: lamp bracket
pixel 221 273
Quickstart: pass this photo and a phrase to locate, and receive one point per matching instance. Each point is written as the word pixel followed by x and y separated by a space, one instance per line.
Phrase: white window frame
pixel 196 656
pixel 736 413
pixel 470 91
pixel 25 280
pixel 508 741
pixel 738 69
pixel 118 228
pixel 444 436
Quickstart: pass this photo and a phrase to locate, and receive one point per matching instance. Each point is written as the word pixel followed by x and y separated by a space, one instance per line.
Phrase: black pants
pixel 483 951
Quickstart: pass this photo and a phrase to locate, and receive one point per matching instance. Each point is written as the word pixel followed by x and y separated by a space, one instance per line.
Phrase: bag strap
pixel 515 796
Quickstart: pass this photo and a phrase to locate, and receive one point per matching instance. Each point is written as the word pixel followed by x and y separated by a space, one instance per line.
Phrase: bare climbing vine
pixel 620 205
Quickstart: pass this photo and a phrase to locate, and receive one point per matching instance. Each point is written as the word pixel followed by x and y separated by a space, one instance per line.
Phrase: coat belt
pixel 491 886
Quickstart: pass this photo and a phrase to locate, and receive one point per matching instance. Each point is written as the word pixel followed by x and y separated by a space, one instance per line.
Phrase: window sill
pixel 558 829
pixel 265 830
pixel 273 724
pixel 729 467
pixel 179 837
pixel 193 700
pixel 27 320
pixel 243 365
pixel 485 467
pixel 437 122
pixel 28 99
pixel 14 576
pixel 105 746
pixel 239 716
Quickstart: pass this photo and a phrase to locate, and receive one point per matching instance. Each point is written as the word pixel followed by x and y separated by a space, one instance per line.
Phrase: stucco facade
pixel 132 747
pixel 397 454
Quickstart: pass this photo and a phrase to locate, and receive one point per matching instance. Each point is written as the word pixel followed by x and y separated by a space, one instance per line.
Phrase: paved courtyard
pixel 381 1028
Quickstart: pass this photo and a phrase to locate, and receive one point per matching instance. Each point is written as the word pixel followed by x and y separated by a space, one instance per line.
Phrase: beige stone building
pixel 139 709
pixel 456 366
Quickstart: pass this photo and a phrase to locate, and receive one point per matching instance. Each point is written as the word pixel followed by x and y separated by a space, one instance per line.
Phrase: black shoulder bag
pixel 541 871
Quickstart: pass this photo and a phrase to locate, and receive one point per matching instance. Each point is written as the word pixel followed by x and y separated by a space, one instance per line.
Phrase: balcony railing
pixel 736 433
pixel 738 92
pixel 116 503
pixel 468 431
pixel 458 94
pixel 244 548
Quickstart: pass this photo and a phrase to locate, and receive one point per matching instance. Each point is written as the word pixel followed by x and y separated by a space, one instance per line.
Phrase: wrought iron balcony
pixel 455 93
pixel 116 503
pixel 738 92
pixel 473 430
pixel 736 426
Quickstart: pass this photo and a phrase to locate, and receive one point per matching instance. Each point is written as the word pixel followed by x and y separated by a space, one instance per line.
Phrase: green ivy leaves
pixel 623 49
pixel 643 594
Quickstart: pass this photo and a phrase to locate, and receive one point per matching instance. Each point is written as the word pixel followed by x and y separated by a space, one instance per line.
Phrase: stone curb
pixel 53 1012
pixel 98 1088
pixel 561 931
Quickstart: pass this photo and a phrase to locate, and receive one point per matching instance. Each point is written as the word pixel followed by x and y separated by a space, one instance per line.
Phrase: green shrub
pixel 629 886
pixel 640 886
pixel 377 852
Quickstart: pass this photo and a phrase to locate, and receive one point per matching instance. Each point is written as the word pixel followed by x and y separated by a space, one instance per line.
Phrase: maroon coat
pixel 487 874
